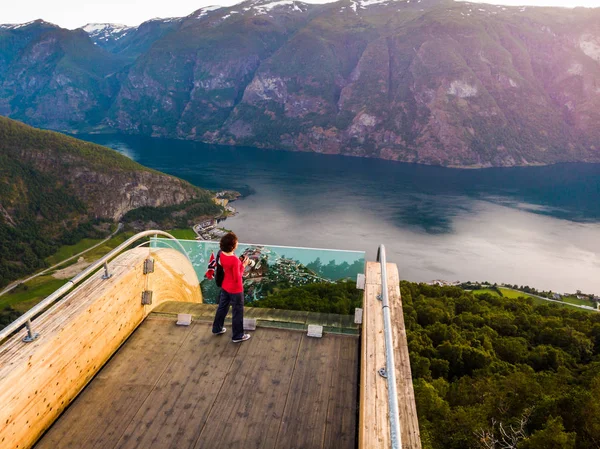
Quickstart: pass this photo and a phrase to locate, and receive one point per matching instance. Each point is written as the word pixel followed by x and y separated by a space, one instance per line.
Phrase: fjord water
pixel 537 226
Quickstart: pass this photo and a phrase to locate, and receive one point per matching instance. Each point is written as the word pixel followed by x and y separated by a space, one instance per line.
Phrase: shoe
pixel 221 332
pixel 244 338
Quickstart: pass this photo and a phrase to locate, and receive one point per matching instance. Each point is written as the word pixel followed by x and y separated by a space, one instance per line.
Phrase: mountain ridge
pixel 429 81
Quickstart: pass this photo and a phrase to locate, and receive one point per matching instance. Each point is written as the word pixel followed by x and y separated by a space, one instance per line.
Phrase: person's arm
pixel 238 269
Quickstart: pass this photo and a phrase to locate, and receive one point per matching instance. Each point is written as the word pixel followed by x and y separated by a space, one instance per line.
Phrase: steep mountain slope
pixel 428 81
pixel 129 42
pixel 54 189
pixel 53 77
pixel 211 58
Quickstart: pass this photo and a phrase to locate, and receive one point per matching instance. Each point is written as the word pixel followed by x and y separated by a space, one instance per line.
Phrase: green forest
pixel 340 298
pixel 492 372
pixel 45 216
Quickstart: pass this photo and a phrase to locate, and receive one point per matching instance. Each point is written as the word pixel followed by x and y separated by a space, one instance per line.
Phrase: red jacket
pixel 234 269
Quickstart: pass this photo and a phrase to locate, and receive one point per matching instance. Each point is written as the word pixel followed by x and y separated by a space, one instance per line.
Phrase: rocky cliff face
pixel 107 184
pixel 111 194
pixel 428 81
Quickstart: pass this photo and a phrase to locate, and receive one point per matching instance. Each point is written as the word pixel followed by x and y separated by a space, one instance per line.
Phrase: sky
pixel 76 13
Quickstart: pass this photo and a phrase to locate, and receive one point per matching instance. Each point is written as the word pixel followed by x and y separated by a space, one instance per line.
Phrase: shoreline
pixel 110 132
pixel 207 229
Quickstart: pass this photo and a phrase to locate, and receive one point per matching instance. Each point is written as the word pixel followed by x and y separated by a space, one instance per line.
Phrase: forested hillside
pixel 56 190
pixel 493 372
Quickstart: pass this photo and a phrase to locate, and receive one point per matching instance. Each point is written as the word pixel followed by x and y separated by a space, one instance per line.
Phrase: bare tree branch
pixel 501 437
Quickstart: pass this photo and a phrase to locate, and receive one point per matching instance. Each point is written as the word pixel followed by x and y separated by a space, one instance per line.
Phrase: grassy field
pixel 70 250
pixel 577 301
pixel 107 247
pixel 183 234
pixel 25 296
pixel 508 293
pixel 29 294
pixel 481 291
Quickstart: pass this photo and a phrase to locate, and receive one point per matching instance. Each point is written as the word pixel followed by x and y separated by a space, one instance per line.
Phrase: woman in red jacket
pixel 232 290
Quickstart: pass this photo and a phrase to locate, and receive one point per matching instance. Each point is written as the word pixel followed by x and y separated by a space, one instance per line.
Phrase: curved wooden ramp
pixel 78 335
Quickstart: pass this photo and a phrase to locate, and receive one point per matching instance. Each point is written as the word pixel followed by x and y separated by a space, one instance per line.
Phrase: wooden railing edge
pixel 374 426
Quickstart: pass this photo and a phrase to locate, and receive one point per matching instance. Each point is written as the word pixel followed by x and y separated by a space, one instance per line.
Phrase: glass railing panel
pixel 273 268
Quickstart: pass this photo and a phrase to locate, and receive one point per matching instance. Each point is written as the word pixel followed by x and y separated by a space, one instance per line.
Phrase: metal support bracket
pixel 249 324
pixel 184 319
pixel 382 372
pixel 315 330
pixel 147 297
pixel 106 274
pixel 379 298
pixel 358 315
pixel 149 266
pixel 360 281
pixel 31 336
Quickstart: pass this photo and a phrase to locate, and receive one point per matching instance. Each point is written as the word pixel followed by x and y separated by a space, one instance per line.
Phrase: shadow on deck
pixel 182 387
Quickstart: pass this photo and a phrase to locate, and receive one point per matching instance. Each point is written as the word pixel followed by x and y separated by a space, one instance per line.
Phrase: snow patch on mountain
pixel 106 31
pixel 95 27
pixel 590 46
pixel 266 8
pixel 16 26
pixel 202 12
pixel 462 89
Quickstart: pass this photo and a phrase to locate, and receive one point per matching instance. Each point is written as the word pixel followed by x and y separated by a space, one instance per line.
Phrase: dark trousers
pixel 237 313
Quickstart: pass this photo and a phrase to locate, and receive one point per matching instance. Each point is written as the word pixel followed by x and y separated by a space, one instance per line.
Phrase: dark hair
pixel 228 242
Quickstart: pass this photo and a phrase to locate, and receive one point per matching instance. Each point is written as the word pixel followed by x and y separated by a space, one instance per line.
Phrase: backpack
pixel 220 273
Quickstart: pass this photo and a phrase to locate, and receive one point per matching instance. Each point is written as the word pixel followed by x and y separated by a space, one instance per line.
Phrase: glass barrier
pixel 272 268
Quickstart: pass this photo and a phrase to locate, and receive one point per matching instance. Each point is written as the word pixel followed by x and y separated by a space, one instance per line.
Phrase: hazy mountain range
pixel 429 81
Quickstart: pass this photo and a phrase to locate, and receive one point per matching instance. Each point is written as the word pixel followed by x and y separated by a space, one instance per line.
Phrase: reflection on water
pixel 538 226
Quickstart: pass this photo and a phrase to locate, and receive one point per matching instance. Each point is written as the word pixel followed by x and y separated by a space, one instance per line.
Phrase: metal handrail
pixel 26 318
pixel 390 369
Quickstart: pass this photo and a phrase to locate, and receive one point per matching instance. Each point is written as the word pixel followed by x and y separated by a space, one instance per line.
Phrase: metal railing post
pixel 31 336
pixel 390 368
pixel 106 274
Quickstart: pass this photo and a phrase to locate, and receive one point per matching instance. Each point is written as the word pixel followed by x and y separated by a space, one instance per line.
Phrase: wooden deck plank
pixel 107 399
pixel 78 335
pixel 374 431
pixel 341 414
pixel 305 416
pixel 175 410
pixel 409 422
pixel 253 398
pixel 173 387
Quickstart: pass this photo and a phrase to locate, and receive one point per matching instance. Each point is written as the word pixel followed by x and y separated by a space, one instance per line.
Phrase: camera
pixel 251 262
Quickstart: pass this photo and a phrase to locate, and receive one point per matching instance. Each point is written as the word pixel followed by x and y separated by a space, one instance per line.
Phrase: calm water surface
pixel 536 226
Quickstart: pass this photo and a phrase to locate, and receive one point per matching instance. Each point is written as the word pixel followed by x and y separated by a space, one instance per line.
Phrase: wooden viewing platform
pixel 182 387
pixel 112 371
